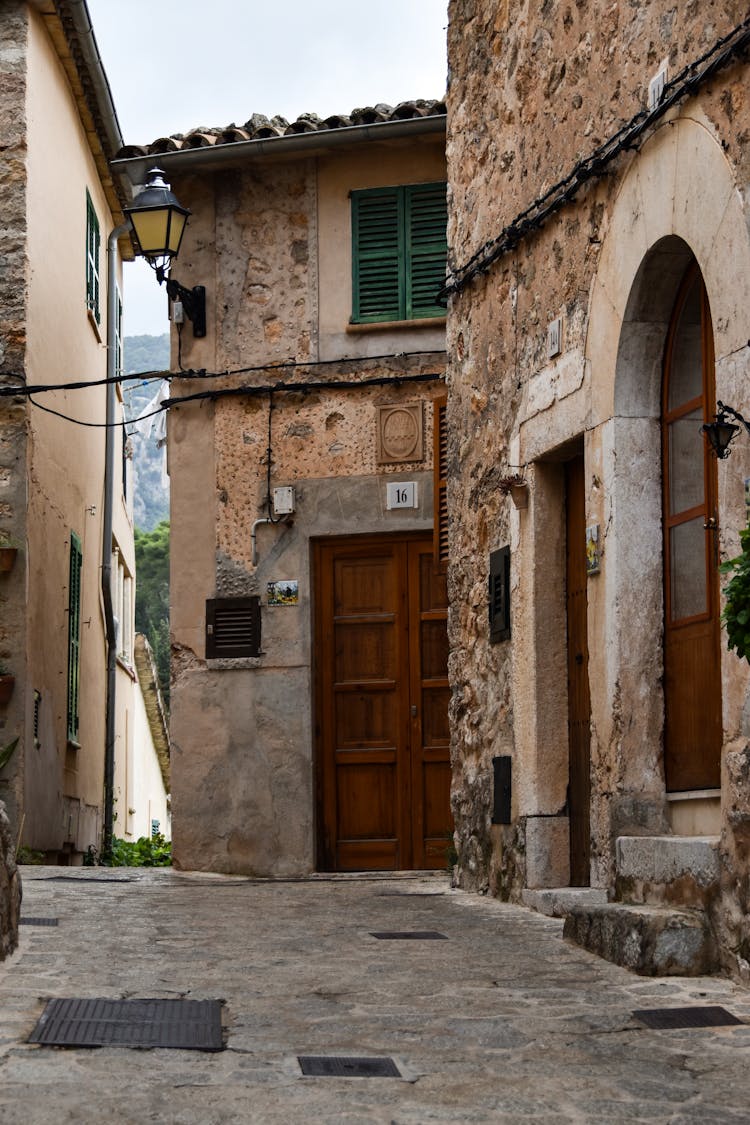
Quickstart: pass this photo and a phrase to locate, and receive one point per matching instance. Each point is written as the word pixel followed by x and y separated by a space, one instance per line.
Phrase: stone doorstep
pixel 650 940
pixel 556 902
pixel 679 870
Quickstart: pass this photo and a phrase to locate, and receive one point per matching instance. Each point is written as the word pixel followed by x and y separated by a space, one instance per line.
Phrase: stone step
pixel 650 940
pixel 556 902
pixel 673 870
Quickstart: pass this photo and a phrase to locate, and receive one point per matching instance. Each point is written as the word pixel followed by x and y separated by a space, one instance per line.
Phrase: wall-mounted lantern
pixel 721 432
pixel 159 221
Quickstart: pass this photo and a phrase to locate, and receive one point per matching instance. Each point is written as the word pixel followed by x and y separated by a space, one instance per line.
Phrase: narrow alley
pixel 498 1019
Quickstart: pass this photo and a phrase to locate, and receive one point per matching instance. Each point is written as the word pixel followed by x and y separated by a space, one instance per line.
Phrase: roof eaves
pixel 135 160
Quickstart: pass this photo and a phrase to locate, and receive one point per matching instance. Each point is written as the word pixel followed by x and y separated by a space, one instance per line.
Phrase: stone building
pixel 309 682
pixel 58 205
pixel 599 277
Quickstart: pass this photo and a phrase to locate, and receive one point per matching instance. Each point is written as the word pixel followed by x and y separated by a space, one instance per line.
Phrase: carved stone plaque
pixel 400 433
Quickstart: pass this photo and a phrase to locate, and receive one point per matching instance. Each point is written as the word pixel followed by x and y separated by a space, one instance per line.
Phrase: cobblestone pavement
pixel 503 1022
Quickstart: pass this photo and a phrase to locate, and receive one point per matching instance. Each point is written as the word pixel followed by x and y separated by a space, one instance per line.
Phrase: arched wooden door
pixel 692 673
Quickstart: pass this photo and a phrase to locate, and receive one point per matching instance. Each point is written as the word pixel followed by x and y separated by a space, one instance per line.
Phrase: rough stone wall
pixel 10 888
pixel 534 87
pixel 13 443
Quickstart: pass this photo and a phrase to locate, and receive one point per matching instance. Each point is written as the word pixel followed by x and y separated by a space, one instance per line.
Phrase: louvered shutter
pixel 378 258
pixel 440 515
pixel 74 635
pixel 425 219
pixel 232 628
pixel 499 595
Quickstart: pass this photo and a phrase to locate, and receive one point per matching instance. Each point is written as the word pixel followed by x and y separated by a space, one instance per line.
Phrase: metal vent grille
pixel 499 595
pixel 666 1018
pixel 232 627
pixel 191 1025
pixel 409 935
pixel 338 1066
pixel 37 921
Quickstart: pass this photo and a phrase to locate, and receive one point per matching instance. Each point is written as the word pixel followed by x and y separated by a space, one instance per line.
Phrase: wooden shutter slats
pixel 74 637
pixel 232 627
pixel 399 249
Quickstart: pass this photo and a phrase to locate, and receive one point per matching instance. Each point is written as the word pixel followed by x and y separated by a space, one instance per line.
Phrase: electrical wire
pixel 249 392
pixel 199 373
pixel 628 137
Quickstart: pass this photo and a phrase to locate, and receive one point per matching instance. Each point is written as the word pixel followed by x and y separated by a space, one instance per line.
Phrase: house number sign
pixel 401 495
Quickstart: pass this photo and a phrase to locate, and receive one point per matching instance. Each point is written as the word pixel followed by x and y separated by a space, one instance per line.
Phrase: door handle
pixel 711 524
pixel 413 710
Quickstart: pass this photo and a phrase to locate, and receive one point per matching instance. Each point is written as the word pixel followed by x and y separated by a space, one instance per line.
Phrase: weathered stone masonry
pixel 533 88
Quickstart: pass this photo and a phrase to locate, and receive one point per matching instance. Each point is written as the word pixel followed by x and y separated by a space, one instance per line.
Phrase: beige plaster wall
pixel 65 465
pixel 533 89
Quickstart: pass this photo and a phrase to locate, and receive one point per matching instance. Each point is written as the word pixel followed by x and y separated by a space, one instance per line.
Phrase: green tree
pixel 152 595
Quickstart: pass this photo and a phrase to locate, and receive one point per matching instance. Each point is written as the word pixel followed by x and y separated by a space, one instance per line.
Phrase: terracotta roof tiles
pixel 260 127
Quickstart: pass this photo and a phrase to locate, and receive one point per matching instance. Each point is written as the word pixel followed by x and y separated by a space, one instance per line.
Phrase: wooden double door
pixel 383 765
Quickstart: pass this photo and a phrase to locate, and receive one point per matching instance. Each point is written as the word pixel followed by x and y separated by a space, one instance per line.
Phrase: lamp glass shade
pixel 159 230
pixel 720 434
pixel 158 219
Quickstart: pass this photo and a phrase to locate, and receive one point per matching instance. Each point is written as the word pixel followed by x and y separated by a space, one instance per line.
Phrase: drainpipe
pixel 109 503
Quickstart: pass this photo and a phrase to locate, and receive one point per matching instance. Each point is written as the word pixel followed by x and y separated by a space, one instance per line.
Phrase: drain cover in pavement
pixel 409 935
pixel 190 1025
pixel 37 921
pixel 708 1016
pixel 333 1066
pixel 83 879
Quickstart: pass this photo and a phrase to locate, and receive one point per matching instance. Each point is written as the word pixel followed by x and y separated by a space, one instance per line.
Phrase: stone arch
pixel 678 201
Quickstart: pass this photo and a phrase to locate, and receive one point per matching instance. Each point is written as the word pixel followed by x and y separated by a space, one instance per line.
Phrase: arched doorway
pixel 692 671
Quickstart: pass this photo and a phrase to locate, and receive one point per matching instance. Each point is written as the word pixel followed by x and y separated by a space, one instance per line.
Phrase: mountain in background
pixel 150 494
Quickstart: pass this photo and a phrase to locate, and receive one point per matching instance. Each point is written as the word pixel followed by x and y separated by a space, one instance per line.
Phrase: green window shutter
pixel 398 252
pixel 425 220
pixel 377 255
pixel 93 248
pixel 74 635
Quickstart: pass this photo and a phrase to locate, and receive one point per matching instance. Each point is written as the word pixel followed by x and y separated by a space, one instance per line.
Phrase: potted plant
pixel 7 683
pixel 515 486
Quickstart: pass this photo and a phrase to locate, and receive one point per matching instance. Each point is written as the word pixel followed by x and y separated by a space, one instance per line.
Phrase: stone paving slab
pixel 504 1022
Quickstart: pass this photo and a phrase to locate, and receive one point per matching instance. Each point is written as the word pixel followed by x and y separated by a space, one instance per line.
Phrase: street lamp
pixel 159 220
pixel 721 432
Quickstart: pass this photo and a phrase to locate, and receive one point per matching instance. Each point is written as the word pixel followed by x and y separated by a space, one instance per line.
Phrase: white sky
pixel 176 64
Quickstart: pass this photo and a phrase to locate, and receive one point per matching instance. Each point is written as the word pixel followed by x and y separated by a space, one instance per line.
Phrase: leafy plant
pixel 152 595
pixel 7 751
pixel 148 851
pixel 28 856
pixel 736 615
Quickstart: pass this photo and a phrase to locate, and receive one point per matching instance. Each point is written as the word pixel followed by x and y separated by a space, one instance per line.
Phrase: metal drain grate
pixel 82 879
pixel 37 921
pixel 189 1025
pixel 409 935
pixel 341 1066
pixel 708 1016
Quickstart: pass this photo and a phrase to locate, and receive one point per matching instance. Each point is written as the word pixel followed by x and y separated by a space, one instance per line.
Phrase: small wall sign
pixel 593 561
pixel 403 494
pixel 283 592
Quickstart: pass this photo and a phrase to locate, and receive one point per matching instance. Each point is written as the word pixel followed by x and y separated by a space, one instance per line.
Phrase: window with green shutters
pixel 398 252
pixel 74 634
pixel 93 247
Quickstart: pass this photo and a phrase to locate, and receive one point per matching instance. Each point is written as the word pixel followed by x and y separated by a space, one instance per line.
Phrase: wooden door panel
pixel 366 719
pixel 365 802
pixel 579 702
pixel 382 704
pixel 366 650
pixel 432 824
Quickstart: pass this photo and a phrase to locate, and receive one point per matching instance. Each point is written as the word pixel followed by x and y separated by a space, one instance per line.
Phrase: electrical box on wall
pixel 283 500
